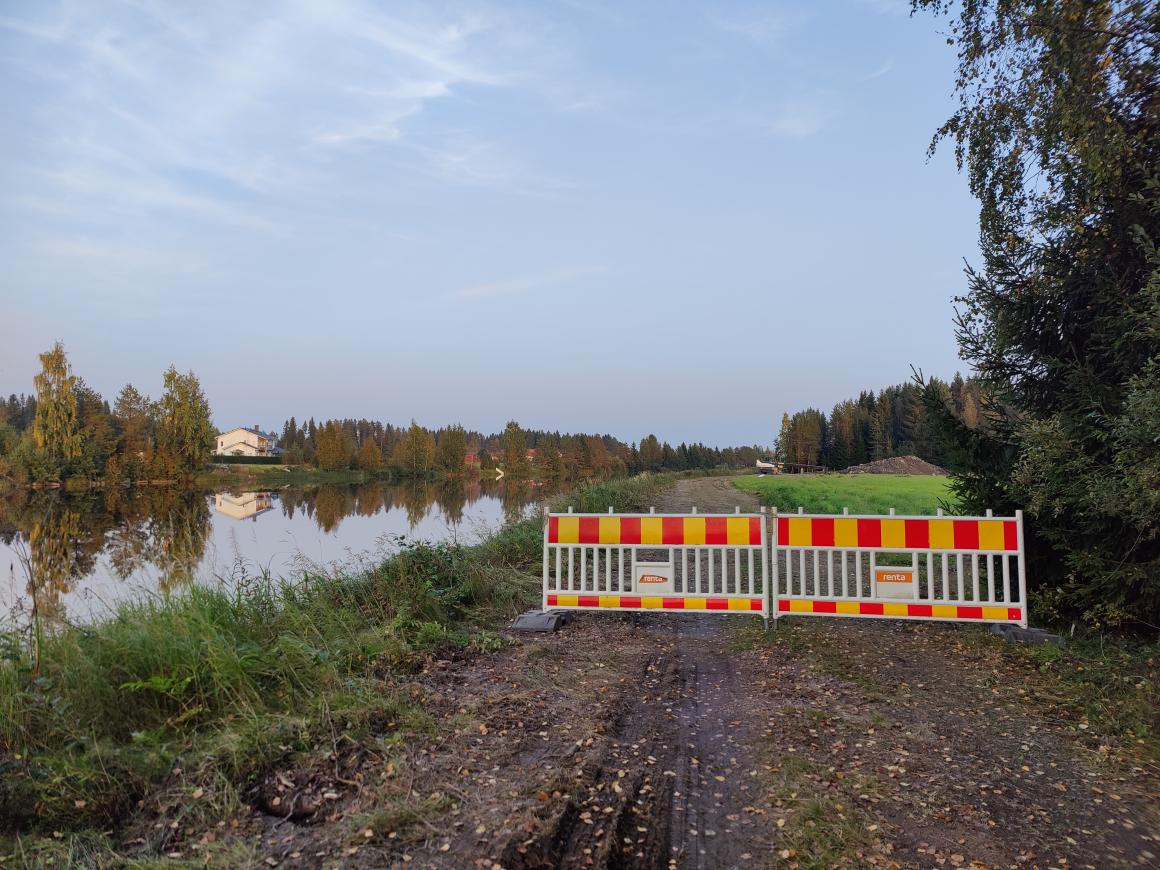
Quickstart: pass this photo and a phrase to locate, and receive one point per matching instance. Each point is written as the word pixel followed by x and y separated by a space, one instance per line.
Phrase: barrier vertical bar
pixel 768 592
pixel 544 590
pixel 1021 567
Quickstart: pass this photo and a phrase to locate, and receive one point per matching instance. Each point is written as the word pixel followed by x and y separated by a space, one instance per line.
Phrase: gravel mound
pixel 896 465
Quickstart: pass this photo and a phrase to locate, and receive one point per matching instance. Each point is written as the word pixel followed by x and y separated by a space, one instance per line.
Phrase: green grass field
pixel 861 493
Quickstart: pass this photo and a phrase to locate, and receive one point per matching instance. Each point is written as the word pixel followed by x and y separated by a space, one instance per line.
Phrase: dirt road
pixel 667 741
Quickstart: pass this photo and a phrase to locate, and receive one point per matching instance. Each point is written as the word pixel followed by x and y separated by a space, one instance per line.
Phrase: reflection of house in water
pixel 243 505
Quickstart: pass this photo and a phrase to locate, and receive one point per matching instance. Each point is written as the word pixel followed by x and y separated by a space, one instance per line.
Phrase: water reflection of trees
pixel 329 505
pixel 66 533
pixel 166 530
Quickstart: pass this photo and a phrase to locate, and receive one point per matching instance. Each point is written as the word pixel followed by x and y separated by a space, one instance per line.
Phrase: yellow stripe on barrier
pixel 894 534
pixel 737 531
pixel 738 604
pixel 610 530
pixel 990 535
pixel 800 532
pixel 894 610
pixel 802 606
pixel 569 530
pixel 651 531
pixel 652 603
pixel 567 600
pixel 845 532
pixel 995 613
pixel 694 532
pixel 610 601
pixel 942 534
pixel 946 611
pixel 848 607
pixel 696 604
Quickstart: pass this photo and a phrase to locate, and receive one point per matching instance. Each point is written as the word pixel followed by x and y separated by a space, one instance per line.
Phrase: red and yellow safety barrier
pixel 661 531
pixel 899 609
pixel 993 536
pixel 654 602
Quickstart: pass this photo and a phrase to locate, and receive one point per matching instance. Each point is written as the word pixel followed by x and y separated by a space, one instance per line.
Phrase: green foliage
pixel 415 455
pixel 452 448
pixel 1058 129
pixel 514 448
pixel 861 493
pixel 894 422
pixel 185 432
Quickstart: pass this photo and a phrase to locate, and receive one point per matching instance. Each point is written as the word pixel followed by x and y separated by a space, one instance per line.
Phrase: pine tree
pixel 514 448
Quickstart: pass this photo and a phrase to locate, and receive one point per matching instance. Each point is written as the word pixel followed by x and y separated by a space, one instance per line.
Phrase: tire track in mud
pixel 670 788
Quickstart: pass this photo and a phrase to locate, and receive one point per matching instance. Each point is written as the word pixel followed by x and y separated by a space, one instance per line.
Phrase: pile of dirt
pixel 896 465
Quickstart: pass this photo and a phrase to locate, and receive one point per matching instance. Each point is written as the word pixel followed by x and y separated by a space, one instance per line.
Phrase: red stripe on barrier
pixel 553 530
pixel 630 530
pixel 966 534
pixel 783 605
pixel 1014 613
pixel 782 531
pixel 919 610
pixel 552 600
pixel 870 608
pixel 629 601
pixel 589 530
pixel 1011 536
pixel 588 601
pixel 673 531
pixel 673 603
pixel 755 530
pixel 918 534
pixel 716 604
pixel 715 531
pixel 822 532
pixel 825 607
pixel 869 533
pixel 970 613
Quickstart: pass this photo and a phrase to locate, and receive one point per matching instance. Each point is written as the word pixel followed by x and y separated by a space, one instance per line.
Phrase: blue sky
pixel 650 217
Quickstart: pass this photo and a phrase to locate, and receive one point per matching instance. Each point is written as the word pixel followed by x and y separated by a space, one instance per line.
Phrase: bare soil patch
pixel 897 465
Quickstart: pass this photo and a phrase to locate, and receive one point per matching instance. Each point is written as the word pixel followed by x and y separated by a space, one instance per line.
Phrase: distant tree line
pixel 416 451
pixel 67 430
pixel 893 422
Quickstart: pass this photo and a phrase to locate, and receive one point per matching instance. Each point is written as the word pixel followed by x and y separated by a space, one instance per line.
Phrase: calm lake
pixel 90 550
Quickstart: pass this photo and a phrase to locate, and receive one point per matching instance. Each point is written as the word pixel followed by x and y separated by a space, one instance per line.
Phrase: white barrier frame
pixel 588 576
pixel 817 564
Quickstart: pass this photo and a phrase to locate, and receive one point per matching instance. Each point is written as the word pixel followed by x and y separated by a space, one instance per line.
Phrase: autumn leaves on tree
pixel 74 433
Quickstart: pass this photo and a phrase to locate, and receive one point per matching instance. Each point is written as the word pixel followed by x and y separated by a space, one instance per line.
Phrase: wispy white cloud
pixel 797 120
pixel 173 108
pixel 765 27
pixel 886 66
pixel 523 285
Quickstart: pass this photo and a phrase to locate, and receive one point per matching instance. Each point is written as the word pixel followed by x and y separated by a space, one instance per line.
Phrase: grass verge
pixel 861 493
pixel 187 700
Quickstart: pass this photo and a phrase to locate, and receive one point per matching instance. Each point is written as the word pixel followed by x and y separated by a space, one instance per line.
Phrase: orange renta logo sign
pixel 886 576
pixel 652 578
